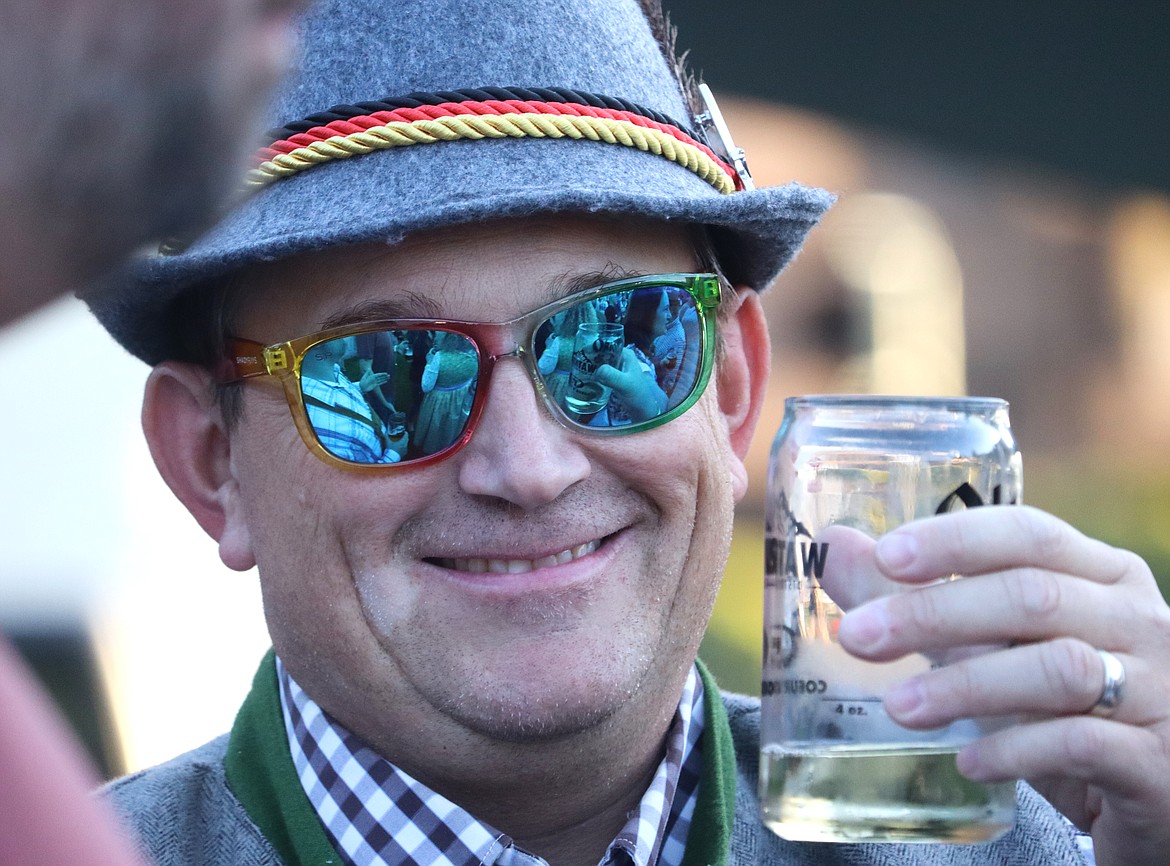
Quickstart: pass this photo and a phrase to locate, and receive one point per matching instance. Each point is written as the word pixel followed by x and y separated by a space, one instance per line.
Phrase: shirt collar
pixel 378 815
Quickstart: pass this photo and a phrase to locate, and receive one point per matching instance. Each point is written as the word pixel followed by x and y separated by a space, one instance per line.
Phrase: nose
pixel 518 453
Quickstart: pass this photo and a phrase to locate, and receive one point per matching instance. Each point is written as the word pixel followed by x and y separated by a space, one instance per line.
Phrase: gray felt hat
pixel 408 115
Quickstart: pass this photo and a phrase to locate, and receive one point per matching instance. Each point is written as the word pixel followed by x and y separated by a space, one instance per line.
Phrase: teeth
pixel 477 565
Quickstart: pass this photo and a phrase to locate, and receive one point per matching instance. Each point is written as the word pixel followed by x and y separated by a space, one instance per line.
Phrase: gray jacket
pixel 184 814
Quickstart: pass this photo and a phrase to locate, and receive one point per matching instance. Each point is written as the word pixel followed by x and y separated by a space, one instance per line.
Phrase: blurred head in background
pixel 125 121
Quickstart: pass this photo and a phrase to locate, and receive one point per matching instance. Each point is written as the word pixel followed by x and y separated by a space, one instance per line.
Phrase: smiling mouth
pixel 476 565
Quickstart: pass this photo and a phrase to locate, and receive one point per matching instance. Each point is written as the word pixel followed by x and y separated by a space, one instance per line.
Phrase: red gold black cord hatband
pixel 346 131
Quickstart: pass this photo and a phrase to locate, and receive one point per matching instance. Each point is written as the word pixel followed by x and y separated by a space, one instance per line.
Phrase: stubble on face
pixel 366 612
pixel 537 666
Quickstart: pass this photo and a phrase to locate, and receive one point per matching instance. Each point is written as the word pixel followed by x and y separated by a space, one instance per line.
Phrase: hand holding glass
pixel 844 471
pixel 596 344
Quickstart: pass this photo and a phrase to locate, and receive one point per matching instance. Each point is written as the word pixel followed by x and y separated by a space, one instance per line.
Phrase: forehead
pixel 488 272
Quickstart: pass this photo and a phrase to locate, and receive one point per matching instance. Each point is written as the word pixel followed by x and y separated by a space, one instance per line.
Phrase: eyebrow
pixel 413 305
pixel 570 284
pixel 409 306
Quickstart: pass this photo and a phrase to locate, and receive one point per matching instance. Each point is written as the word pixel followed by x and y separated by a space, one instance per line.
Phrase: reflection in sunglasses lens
pixel 401 395
pixel 622 358
pixel 389 396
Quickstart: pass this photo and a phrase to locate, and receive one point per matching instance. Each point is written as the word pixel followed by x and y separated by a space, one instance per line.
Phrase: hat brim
pixel 454 183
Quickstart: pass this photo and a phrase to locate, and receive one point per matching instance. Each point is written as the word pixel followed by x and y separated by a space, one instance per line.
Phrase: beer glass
pixel 596 343
pixel 843 471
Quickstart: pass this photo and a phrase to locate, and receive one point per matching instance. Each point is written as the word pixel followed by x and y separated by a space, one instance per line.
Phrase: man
pixel 104 100
pixel 484 653
pixel 337 407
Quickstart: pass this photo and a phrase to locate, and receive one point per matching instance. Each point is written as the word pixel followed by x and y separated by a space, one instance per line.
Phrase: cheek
pixel 685 473
pixel 287 495
pixel 334 578
pixel 388 597
pixel 685 468
pixel 713 464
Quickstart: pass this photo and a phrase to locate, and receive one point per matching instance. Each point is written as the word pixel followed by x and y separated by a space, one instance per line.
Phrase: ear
pixel 742 375
pixel 191 447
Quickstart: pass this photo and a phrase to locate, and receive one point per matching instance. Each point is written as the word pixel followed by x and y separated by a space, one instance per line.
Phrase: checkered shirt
pixel 377 815
pixel 342 434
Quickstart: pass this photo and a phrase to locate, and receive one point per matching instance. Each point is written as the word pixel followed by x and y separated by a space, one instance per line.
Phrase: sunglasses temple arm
pixel 246 359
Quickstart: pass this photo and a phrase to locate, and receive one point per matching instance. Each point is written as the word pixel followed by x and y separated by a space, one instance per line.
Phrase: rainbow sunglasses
pixel 618 358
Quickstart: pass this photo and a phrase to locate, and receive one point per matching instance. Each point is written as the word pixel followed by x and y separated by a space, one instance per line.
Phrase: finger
pixel 1126 762
pixel 1056 678
pixel 995 537
pixel 850 575
pixel 1022 605
pixel 613 378
pixel 1098 751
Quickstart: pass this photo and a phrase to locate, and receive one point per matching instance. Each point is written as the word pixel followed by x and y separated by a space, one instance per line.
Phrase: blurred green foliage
pixel 1128 508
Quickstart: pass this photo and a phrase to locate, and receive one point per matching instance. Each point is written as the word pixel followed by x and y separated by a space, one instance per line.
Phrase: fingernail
pixel 863 628
pixel 904 699
pixel 896 551
pixel 969 763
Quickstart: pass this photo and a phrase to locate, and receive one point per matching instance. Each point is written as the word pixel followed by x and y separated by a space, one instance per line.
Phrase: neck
pixel 583 844
pixel 564 798
pixel 572 822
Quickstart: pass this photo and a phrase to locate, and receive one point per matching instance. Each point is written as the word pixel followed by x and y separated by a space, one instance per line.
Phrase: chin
pixel 548 701
pixel 522 722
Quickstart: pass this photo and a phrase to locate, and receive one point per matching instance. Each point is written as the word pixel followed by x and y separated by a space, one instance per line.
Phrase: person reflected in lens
pixel 636 392
pixel 408 367
pixel 448 386
pixel 397 436
pixel 675 351
pixel 373 368
pixel 338 411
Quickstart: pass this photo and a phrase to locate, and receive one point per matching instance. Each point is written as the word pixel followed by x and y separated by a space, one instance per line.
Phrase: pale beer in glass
pixel 833 766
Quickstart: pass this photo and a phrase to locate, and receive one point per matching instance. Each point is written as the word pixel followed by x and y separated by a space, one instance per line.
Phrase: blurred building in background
pixel 1002 229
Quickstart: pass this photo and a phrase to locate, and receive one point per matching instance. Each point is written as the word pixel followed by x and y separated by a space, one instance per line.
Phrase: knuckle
pixel 1049 537
pixel 1086 744
pixel 1071 667
pixel 920 610
pixel 1161 623
pixel 1129 564
pixel 1036 594
pixel 962 686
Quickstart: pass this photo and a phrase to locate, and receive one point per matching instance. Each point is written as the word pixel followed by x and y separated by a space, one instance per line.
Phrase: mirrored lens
pixel 389 396
pixel 623 358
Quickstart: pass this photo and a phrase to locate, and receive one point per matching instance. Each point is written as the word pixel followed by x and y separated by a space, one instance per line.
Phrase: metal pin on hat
pixel 715 131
